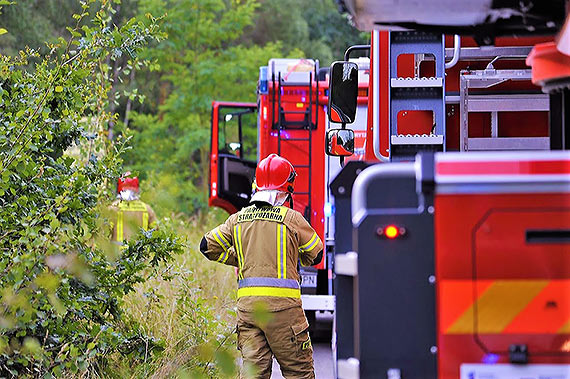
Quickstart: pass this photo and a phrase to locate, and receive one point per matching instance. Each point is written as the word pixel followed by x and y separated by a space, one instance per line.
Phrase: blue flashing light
pixel 490 358
pixel 263 86
pixel 329 209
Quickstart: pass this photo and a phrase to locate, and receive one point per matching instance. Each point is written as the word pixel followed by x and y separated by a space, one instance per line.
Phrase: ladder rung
pixel 299 123
pixel 293 84
pixel 295 112
pixel 300 193
pixel 295 139
pixel 303 122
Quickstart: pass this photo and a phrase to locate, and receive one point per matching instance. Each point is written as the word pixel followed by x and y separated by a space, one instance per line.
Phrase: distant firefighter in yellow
pixel 129 213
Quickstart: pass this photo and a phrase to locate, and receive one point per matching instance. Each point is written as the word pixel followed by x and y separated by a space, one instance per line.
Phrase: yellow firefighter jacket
pixel 129 217
pixel 265 243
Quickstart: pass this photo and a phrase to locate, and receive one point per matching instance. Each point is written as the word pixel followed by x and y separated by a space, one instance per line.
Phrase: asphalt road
pixel 322 353
pixel 323 362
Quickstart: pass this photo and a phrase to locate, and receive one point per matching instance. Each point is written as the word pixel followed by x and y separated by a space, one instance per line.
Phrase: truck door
pixel 233 154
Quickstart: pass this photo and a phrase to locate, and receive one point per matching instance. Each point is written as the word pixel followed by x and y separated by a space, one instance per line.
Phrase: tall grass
pixel 192 314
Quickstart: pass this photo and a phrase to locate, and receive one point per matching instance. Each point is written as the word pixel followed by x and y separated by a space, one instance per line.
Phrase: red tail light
pixel 391 231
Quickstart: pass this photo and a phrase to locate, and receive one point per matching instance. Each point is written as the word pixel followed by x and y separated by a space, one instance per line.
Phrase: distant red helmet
pixel 275 173
pixel 128 183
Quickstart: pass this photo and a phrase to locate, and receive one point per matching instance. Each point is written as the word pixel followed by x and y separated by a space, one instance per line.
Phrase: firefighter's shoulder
pixel 294 216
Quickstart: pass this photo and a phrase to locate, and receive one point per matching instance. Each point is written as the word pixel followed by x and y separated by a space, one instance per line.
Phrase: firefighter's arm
pixel 217 245
pixel 310 245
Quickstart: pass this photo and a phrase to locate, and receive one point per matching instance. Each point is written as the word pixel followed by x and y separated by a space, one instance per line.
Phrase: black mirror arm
pixel 343 126
pixel 240 137
pixel 354 48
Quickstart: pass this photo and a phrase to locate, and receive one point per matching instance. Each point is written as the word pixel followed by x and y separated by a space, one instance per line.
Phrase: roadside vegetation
pixel 88 90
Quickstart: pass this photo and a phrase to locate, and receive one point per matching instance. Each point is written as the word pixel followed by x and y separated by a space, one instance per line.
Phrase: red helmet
pixel 128 183
pixel 275 173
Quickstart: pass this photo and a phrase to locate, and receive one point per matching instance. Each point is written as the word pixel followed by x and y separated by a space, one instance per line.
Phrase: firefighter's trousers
pixel 286 336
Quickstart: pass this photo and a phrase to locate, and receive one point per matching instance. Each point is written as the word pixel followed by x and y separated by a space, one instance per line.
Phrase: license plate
pixel 308 280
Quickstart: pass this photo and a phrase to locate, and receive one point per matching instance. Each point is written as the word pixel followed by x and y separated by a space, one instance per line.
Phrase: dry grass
pixel 191 314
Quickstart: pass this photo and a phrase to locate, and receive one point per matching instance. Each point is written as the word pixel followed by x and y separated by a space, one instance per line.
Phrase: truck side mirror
pixel 340 142
pixel 343 90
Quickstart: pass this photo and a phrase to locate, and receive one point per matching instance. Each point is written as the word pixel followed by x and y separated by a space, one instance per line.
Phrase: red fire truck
pixel 447 265
pixel 289 119
pixel 452 256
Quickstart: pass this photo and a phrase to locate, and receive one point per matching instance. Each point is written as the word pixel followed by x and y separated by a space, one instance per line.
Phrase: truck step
pixel 416 139
pixel 416 82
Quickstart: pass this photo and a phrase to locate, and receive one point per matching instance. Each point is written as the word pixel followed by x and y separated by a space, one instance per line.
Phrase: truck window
pixel 238 133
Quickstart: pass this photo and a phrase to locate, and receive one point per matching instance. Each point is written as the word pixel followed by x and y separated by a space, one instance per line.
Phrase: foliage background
pixel 213 51
pixel 156 123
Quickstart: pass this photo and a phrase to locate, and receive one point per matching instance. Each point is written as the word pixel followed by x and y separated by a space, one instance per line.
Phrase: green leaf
pixel 3 31
pixel 54 223
pixel 58 89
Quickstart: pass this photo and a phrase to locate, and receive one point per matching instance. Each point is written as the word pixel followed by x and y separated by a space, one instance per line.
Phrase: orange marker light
pixel 391 231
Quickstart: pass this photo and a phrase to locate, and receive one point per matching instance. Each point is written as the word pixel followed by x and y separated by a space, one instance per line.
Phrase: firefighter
pixel 265 241
pixel 131 213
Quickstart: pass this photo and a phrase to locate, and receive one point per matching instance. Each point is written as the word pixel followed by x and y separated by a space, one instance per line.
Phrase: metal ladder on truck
pixel 282 124
pixel 296 126
pixel 409 94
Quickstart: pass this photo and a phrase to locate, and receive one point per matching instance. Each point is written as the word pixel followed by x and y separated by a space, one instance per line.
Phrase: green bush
pixel 62 283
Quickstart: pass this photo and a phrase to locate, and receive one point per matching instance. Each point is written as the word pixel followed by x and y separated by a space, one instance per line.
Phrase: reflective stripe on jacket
pixel 265 244
pixel 130 216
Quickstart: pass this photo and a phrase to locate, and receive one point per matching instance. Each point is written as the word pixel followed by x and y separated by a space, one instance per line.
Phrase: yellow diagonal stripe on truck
pixel 497 306
pixel 565 329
